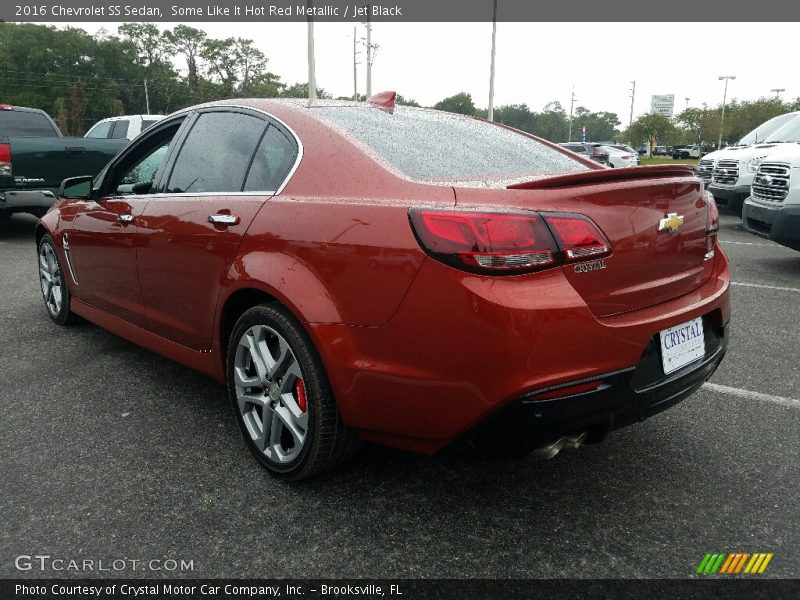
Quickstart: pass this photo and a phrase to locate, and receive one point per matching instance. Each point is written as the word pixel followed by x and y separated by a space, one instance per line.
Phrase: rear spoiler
pixel 606 175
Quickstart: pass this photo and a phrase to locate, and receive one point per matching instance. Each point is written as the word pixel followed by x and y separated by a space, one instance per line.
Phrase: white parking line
pixel 724 389
pixel 766 287
pixel 750 244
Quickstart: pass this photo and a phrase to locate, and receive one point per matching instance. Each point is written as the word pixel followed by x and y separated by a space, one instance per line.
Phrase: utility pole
pixel 369 53
pixel 355 62
pixel 312 77
pixel 490 114
pixel 633 95
pixel 571 105
pixel 724 99
pixel 146 97
pixel 687 102
pixel 778 91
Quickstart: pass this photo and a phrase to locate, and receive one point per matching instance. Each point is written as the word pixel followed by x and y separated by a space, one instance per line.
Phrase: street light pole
pixel 312 78
pixel 724 99
pixel 571 104
pixel 369 53
pixel 687 102
pixel 778 91
pixel 633 95
pixel 490 114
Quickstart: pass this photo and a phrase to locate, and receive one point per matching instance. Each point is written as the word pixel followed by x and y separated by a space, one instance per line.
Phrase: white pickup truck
pixel 773 209
pixel 728 173
pixel 125 127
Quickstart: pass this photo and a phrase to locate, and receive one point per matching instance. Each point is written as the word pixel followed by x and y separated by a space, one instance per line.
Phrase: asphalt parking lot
pixel 111 452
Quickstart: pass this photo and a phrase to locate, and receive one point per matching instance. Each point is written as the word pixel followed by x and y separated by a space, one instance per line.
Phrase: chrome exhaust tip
pixel 575 441
pixel 549 450
pixel 571 442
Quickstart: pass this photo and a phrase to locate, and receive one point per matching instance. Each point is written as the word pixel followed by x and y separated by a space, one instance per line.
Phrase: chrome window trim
pixel 289 175
pixel 195 194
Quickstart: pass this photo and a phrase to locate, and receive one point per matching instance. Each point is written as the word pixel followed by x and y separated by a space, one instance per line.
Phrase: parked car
pixel 660 151
pixel 590 150
pixel 772 210
pixel 35 157
pixel 620 155
pixel 683 152
pixel 393 274
pixel 126 127
pixel 735 167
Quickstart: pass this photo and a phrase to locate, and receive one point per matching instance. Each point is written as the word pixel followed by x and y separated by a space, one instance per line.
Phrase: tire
pixel 53 283
pixel 281 396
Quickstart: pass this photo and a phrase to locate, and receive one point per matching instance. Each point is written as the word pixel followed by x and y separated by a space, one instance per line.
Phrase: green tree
pixel 650 128
pixel 187 41
pixel 460 103
pixel 300 90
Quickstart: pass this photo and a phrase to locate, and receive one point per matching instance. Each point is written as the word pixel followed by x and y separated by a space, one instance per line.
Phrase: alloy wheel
pixel 50 279
pixel 271 393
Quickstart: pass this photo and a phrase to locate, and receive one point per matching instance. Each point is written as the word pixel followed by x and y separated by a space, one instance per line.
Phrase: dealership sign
pixel 662 104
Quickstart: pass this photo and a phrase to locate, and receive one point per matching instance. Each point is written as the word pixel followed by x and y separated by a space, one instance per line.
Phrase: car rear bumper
pixel 779 223
pixel 31 201
pixel 625 398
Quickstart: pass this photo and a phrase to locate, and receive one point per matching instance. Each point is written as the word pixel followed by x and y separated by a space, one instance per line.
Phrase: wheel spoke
pixel 257 348
pixel 248 400
pixel 276 425
pixel 276 367
pixel 267 420
pixel 287 419
pixel 241 378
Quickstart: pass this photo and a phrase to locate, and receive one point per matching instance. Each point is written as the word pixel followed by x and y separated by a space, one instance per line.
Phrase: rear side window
pixel 100 130
pixel 21 123
pixel 435 146
pixel 216 154
pixel 272 162
pixel 148 122
pixel 120 129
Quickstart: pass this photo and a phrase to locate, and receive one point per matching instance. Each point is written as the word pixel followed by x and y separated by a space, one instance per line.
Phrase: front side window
pixel 216 154
pixel 137 171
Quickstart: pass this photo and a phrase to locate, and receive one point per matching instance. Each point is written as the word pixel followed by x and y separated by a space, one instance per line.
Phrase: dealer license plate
pixel 682 344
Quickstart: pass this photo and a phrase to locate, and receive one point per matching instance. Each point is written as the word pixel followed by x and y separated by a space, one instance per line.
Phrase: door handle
pixel 125 219
pixel 223 219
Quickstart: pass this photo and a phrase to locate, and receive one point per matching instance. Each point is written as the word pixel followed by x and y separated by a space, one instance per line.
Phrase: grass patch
pixel 666 160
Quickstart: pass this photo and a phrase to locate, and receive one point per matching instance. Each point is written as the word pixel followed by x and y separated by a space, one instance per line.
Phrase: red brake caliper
pixel 300 392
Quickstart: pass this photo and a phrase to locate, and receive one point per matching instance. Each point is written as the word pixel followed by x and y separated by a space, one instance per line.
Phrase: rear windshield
pixel 21 123
pixel 441 147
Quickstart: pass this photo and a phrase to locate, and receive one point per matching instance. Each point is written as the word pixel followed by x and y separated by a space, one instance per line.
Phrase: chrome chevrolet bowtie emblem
pixel 672 222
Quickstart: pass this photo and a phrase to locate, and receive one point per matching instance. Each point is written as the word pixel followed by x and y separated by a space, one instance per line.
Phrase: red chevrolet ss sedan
pixel 360 271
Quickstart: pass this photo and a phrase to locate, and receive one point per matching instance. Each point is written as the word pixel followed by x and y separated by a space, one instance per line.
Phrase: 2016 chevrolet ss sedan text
pixel 360 271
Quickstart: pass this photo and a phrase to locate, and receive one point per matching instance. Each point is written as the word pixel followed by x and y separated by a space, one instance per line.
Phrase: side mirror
pixel 76 188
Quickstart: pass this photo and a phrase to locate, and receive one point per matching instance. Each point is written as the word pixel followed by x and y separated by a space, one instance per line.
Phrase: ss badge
pixel 594 265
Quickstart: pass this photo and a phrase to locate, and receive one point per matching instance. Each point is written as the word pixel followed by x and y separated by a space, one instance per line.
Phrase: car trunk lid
pixel 649 263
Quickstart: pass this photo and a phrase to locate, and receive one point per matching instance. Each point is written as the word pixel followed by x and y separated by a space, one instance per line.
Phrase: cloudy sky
pixel 538 62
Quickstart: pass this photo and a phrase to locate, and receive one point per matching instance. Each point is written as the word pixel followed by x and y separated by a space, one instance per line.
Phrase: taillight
pixel 5 159
pixel 577 236
pixel 712 225
pixel 506 242
pixel 626 157
pixel 485 241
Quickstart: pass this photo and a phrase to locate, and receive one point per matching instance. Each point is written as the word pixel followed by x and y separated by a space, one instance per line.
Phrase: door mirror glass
pixel 76 188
